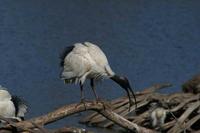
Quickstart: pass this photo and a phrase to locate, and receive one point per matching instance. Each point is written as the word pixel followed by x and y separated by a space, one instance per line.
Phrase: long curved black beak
pixel 128 90
pixel 133 94
pixel 123 82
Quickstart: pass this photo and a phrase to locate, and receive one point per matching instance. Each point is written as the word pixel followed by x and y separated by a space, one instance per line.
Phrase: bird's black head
pixel 124 83
pixel 121 80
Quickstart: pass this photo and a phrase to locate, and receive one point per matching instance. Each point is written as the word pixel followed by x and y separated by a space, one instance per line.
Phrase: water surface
pixel 149 41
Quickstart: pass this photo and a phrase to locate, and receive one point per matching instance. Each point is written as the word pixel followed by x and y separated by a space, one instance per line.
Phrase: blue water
pixel 150 41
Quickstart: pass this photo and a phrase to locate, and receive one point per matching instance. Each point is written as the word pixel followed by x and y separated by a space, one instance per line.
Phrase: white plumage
pixel 87 61
pixel 11 106
pixel 158 117
pixel 7 108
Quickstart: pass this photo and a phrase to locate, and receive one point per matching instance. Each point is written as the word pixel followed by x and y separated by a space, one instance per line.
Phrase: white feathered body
pixel 158 117
pixel 8 105
pixel 86 61
pixel 7 109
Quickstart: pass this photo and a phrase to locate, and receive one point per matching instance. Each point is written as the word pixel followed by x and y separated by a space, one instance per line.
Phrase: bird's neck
pixel 109 71
pixel 115 78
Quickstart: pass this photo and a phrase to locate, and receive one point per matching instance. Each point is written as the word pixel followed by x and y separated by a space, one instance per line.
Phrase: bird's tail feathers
pixel 22 110
pixel 20 105
pixel 70 81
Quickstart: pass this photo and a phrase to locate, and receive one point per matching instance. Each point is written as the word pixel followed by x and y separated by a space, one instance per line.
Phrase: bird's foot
pixel 82 102
pixel 99 100
pixel 8 122
pixel 104 103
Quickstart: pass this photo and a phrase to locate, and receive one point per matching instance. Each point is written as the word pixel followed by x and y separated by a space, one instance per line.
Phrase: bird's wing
pixel 66 51
pixel 7 109
pixel 77 62
pixel 99 58
pixel 96 53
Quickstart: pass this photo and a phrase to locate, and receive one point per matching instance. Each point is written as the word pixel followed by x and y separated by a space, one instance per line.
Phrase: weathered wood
pixel 76 108
pixel 70 130
pixel 154 88
pixel 192 121
pixel 120 105
pixel 181 121
pixel 182 110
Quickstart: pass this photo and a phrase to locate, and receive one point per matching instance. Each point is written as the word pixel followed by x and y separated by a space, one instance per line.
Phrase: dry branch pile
pixel 182 111
pixel 36 125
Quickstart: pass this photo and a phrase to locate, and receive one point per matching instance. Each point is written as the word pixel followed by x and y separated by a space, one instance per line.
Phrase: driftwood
pixel 183 111
pixel 36 124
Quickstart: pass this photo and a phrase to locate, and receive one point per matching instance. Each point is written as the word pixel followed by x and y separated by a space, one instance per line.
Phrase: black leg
pixel 93 88
pixel 82 93
pixel 95 93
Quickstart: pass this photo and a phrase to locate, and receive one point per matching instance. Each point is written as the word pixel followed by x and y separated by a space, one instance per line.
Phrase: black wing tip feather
pixel 66 51
pixel 17 101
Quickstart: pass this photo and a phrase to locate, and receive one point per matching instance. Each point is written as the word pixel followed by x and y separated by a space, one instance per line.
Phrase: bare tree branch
pixel 76 108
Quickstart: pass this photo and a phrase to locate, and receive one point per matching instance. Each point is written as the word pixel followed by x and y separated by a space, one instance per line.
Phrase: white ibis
pixel 11 107
pixel 87 61
pixel 158 114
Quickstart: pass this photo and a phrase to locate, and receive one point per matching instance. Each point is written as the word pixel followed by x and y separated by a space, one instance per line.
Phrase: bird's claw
pixel 99 100
pixel 104 103
pixel 82 102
